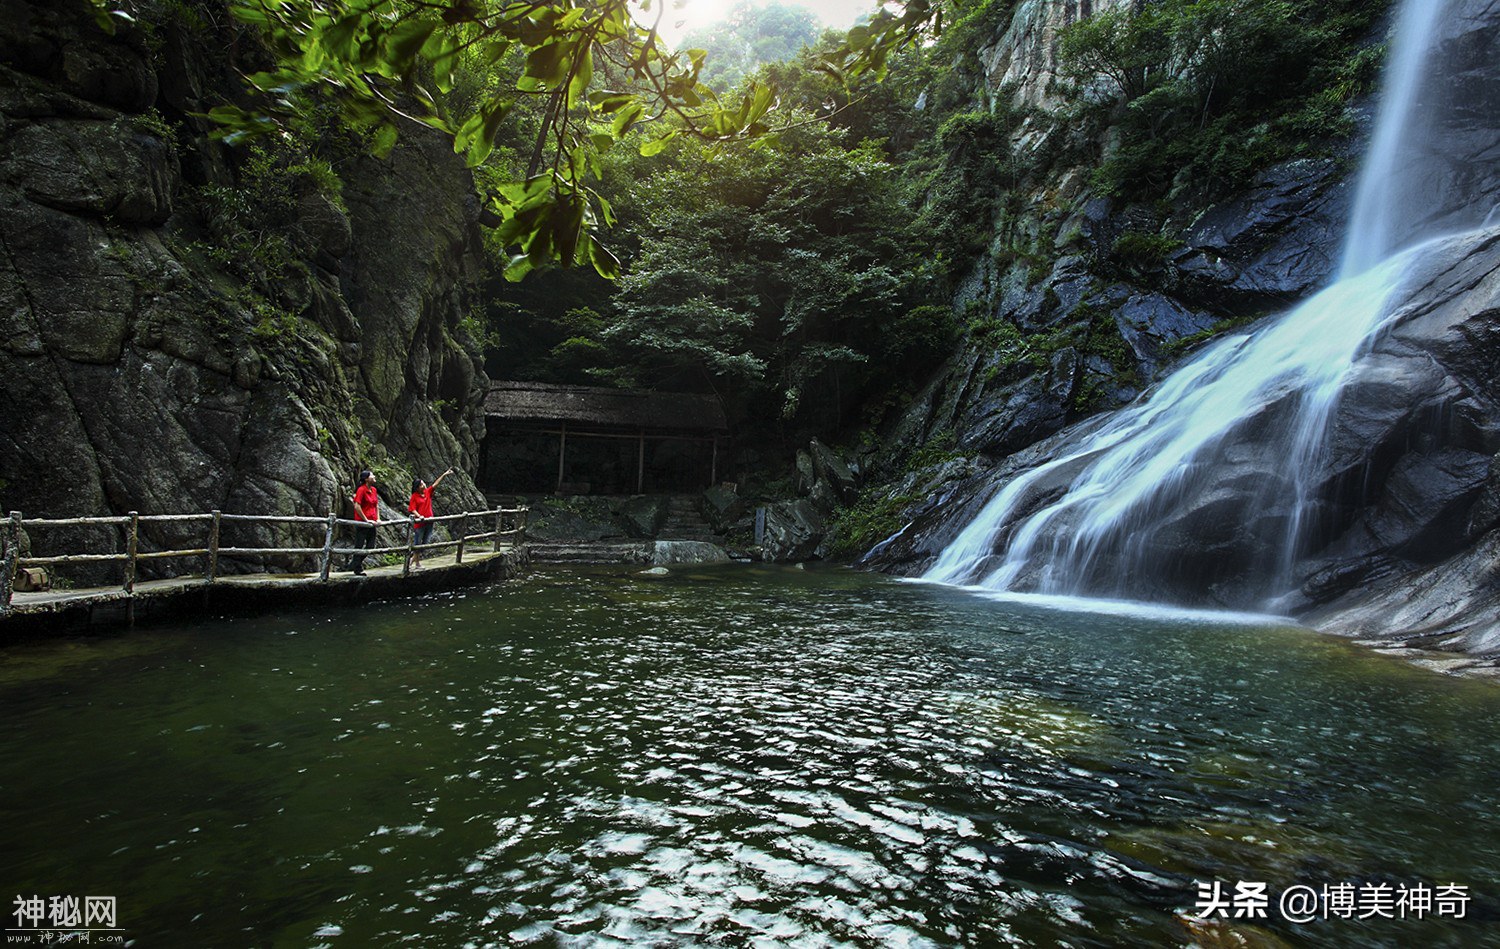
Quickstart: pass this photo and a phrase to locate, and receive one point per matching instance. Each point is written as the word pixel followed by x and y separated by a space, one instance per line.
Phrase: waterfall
pixel 1100 516
pixel 1388 187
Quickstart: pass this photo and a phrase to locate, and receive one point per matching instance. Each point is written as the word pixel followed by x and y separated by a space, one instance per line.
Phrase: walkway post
pixel 12 561
pixel 411 538
pixel 463 533
pixel 213 548
pixel 562 454
pixel 328 548
pixel 498 517
pixel 132 542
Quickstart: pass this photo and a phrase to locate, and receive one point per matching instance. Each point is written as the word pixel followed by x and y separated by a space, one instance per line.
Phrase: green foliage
pixel 785 276
pixel 1205 93
pixel 272 322
pixel 152 123
pixel 476 329
pixel 940 449
pixel 1012 352
pixel 109 14
pixel 953 66
pixel 749 36
pixel 587 75
pixel 966 177
pixel 918 338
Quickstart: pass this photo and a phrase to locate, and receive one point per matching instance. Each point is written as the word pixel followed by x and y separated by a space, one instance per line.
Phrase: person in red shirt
pixel 366 508
pixel 420 508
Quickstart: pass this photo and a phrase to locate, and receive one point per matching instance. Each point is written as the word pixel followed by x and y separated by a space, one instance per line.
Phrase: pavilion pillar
pixel 640 462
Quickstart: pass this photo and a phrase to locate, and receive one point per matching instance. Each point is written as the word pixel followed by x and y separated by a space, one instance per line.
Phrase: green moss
pixel 273 322
pixel 865 523
pixel 940 449
pixel 1144 248
pixel 1179 346
pixel 1098 335
pixel 151 122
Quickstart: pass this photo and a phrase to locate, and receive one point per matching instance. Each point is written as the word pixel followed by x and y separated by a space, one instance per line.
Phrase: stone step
pixel 675 550
pixel 634 552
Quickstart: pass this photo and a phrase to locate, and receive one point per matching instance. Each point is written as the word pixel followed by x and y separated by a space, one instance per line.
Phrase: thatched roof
pixel 591 405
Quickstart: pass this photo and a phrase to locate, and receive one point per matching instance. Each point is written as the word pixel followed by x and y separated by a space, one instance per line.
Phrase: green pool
pixel 739 756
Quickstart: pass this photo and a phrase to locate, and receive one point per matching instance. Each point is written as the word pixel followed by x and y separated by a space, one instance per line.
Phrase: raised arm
pixel 441 477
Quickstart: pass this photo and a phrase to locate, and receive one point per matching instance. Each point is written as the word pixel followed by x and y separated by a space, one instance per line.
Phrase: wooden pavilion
pixel 593 440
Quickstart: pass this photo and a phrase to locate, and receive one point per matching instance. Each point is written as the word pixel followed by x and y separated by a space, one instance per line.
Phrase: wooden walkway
pixel 463 559
pixel 377 578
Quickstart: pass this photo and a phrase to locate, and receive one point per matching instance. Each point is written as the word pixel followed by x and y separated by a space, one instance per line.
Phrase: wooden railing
pixel 13 562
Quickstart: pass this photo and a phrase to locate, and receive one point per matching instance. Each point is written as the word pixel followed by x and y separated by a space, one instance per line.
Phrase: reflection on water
pixel 736 756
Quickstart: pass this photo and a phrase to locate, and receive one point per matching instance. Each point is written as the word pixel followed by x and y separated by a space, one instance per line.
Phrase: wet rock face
pixel 140 368
pixel 1101 330
pixel 1407 486
pixel 1276 242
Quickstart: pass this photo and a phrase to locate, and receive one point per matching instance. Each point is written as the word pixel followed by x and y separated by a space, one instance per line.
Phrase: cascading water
pixel 1388 189
pixel 1096 519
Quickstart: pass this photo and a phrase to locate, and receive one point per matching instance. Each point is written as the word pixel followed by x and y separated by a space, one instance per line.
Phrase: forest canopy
pixel 584 76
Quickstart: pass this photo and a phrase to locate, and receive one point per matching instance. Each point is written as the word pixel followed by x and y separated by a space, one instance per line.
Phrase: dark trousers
pixel 423 533
pixel 364 536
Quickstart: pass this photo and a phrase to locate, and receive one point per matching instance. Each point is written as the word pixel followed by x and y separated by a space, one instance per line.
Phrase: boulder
pixel 1007 418
pixel 102 168
pixel 723 507
pixel 553 526
pixel 806 475
pixel 793 530
pixel 644 515
pixel 831 469
pixel 32 580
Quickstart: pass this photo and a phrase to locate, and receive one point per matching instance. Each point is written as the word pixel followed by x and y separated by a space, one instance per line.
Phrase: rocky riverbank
pixel 186 325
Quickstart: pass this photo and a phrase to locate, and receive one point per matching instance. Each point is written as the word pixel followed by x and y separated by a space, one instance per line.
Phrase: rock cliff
pixel 187 326
pixel 1408 515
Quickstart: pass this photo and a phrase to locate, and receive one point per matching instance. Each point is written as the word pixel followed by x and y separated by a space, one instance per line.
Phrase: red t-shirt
pixel 366 504
pixel 421 502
